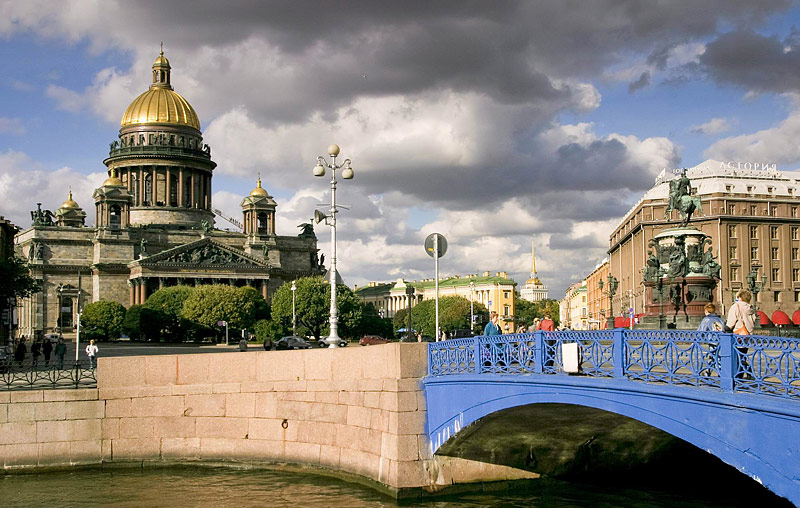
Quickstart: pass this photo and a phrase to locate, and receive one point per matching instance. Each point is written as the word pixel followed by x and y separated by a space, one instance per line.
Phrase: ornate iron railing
pixel 29 376
pixel 753 364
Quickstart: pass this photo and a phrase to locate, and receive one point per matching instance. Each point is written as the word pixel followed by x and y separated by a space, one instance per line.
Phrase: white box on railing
pixel 570 361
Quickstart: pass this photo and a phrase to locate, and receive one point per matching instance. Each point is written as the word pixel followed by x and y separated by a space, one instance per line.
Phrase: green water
pixel 215 487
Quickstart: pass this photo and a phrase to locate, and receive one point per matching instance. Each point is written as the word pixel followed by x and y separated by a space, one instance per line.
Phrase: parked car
pixel 371 340
pixel 462 333
pixel 292 342
pixel 323 343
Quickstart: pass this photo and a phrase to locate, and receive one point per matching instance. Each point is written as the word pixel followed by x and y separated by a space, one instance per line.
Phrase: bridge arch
pixel 752 433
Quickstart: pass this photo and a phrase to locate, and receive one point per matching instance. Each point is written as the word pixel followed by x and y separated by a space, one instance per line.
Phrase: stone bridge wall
pixel 360 410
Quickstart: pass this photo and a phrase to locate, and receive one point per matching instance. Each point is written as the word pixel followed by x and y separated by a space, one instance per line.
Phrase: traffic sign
pixel 429 246
pixel 222 323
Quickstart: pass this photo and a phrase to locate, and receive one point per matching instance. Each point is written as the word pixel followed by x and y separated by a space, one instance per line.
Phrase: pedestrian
pixel 47 349
pixel 547 324
pixel 21 351
pixel 444 335
pixel 243 344
pixel 61 350
pixel 741 321
pixel 492 328
pixel 36 351
pixel 91 352
pixel 535 325
pixel 712 322
pixel 521 329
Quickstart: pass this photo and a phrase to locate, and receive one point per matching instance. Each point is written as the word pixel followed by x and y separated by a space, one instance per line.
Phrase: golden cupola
pixel 160 104
pixel 259 191
pixel 70 214
pixel 69 203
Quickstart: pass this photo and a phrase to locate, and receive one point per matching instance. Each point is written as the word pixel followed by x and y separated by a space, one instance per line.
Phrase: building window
pixel 773 211
pixel 773 232
pixel 734 275
pixel 794 212
pixel 795 254
pixel 797 296
pixel 776 297
pixel 732 231
pixel 732 210
pixel 506 294
pixel 795 274
pixel 794 232
pixel 749 188
pixel 752 210
pixel 774 253
pixel 770 189
pixel 506 310
pixel 754 253
pixel 728 188
pixel 776 275
pixel 754 232
pixel 733 252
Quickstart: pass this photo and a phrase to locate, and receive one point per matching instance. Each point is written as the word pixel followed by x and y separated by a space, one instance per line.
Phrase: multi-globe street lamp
pixel 294 315
pixel 347 173
pixel 471 306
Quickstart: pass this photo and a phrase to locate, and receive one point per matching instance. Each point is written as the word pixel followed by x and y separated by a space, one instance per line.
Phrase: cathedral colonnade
pixel 140 288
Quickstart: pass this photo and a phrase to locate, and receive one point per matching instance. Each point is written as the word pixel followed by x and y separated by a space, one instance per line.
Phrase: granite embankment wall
pixel 355 410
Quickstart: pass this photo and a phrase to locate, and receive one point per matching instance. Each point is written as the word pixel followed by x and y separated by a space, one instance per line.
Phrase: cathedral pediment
pixel 204 252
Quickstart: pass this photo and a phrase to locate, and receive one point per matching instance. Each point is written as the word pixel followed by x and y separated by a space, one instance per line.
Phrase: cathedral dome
pixel 113 181
pixel 69 203
pixel 160 104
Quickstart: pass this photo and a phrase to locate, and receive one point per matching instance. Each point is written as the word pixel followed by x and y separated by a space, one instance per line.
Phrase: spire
pixel 533 261
pixel 161 71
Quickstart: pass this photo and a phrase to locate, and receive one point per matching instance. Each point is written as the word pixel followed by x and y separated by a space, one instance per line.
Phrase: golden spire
pixel 259 191
pixel 70 203
pixel 534 279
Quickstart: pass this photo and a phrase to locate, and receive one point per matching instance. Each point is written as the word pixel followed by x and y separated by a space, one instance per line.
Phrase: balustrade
pixel 27 375
pixel 751 364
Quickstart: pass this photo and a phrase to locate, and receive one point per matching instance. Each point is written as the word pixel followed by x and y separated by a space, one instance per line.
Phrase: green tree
pixel 373 324
pixel 102 320
pixel 15 281
pixel 166 305
pixel 527 311
pixel 141 323
pixel 269 329
pixel 207 305
pixel 312 307
pixel 454 313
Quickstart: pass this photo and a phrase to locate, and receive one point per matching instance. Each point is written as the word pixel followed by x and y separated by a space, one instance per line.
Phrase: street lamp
pixel 471 306
pixel 612 290
pixel 347 173
pixel 60 313
pixel 294 315
pixel 755 287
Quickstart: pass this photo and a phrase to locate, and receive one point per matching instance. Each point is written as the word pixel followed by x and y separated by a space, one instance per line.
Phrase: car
pixel 292 342
pixel 462 333
pixel 371 340
pixel 323 343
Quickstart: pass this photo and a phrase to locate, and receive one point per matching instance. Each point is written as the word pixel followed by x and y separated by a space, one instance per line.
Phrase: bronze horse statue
pixel 680 199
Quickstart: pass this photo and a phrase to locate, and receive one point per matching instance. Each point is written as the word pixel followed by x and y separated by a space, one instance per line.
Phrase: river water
pixel 233 488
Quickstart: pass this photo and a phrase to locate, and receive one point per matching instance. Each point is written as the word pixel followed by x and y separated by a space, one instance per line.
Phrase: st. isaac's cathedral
pixel 154 223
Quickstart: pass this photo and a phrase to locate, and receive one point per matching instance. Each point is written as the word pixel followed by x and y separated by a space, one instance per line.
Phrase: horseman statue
pixel 680 199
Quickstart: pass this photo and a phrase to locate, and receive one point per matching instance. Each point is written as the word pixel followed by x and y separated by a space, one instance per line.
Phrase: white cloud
pixel 776 145
pixel 12 125
pixel 713 126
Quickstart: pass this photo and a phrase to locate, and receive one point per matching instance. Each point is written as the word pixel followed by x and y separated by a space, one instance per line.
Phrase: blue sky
pixel 494 123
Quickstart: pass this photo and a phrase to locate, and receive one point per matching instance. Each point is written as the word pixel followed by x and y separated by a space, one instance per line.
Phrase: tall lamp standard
pixel 347 173
pixel 471 306
pixel 755 287
pixel 294 315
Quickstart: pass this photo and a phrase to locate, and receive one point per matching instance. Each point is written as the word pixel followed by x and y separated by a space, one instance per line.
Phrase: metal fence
pixel 753 364
pixel 28 375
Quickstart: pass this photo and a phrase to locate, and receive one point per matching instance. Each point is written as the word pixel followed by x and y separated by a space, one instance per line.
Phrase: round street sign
pixel 429 244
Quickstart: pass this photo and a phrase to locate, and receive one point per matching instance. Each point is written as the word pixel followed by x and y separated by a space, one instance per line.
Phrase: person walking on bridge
pixel 547 324
pixel 492 328
pixel 741 321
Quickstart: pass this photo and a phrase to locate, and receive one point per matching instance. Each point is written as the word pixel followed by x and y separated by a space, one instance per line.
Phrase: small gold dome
pixel 535 281
pixel 113 181
pixel 69 203
pixel 258 191
pixel 161 60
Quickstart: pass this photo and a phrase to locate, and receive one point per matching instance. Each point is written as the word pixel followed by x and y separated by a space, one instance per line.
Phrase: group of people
pixel 44 349
pixel 493 326
pixel 740 320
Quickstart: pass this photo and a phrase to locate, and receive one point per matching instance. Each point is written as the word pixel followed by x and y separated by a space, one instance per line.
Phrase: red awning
pixel 796 317
pixel 765 322
pixel 780 318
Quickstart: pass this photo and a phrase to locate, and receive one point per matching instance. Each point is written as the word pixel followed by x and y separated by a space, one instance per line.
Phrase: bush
pixel 102 320
pixel 166 313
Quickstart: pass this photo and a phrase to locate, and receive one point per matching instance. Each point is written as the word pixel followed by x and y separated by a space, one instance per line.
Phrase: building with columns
pixel 495 292
pixel 534 289
pixel 154 223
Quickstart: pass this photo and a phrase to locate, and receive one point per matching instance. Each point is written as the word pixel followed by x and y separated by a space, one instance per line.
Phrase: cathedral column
pixel 131 296
pixel 264 289
pixel 154 187
pixel 180 186
pixel 168 193
pixel 208 190
pixel 141 187
pixel 192 202
pixel 142 290
pixel 160 283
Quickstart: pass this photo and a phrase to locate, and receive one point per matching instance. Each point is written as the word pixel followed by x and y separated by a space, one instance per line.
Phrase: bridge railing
pixel 754 364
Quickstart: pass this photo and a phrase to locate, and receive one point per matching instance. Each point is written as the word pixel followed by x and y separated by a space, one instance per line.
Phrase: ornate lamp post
pixel 612 290
pixel 60 314
pixel 347 173
pixel 471 306
pixel 755 287
pixel 294 315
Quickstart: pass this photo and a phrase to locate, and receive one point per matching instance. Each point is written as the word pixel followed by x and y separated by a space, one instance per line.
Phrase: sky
pixel 496 124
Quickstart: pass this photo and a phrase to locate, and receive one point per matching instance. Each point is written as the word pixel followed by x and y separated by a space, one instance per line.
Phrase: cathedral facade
pixel 154 224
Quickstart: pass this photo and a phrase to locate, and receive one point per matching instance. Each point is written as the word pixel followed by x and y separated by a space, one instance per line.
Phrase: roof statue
pixel 680 199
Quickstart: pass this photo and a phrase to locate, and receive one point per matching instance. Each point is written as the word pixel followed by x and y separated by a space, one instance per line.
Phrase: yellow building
pixel 573 308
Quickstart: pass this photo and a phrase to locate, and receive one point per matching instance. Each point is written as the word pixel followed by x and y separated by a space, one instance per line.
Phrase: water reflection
pixel 229 488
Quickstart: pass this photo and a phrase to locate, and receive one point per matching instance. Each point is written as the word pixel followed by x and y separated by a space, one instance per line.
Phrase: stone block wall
pixel 43 428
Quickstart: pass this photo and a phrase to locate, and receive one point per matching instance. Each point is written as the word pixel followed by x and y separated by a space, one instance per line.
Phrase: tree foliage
pixel 269 329
pixel 207 305
pixel 166 310
pixel 454 313
pixel 373 324
pixel 312 307
pixel 527 311
pixel 15 280
pixel 102 320
pixel 141 323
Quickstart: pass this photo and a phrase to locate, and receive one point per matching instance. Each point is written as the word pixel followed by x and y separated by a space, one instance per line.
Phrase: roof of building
pixel 376 289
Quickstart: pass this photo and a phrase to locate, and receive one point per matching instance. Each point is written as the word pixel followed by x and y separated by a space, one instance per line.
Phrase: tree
pixel 166 306
pixel 312 307
pixel 454 313
pixel 141 323
pixel 207 305
pixel 527 311
pixel 102 320
pixel 15 281
pixel 373 324
pixel 268 329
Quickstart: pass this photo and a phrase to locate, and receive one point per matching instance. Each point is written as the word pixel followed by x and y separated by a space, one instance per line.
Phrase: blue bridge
pixel 737 397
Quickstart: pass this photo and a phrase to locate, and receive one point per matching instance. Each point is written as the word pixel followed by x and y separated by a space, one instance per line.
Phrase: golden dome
pixel 160 104
pixel 535 281
pixel 258 191
pixel 113 181
pixel 69 203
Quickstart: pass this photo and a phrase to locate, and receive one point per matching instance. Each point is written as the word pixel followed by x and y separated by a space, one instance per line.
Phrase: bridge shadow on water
pixel 592 447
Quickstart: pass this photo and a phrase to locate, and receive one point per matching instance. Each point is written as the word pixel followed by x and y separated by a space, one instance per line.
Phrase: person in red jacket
pixel 547 324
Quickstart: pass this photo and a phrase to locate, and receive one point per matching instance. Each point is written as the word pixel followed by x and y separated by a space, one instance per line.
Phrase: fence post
pixel 727 361
pixel 538 352
pixel 476 345
pixel 618 344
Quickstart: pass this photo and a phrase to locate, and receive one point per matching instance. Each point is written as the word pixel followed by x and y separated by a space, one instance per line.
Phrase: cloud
pixel 775 145
pixel 642 82
pixel 12 126
pixel 713 126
